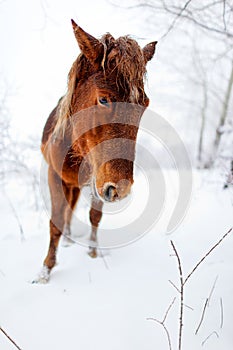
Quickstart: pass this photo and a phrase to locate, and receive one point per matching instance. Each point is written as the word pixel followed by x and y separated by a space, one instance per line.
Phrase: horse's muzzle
pixel 110 193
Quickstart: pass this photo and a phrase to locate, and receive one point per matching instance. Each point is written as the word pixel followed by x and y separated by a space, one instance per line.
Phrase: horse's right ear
pixel 149 50
pixel 91 47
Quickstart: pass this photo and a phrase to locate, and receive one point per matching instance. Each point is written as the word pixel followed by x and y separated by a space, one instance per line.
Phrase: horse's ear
pixel 149 50
pixel 91 47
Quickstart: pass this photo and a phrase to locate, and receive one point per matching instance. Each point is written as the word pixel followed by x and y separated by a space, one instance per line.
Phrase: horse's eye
pixel 103 101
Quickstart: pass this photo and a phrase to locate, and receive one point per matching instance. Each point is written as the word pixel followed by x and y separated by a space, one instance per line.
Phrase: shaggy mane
pixel 122 57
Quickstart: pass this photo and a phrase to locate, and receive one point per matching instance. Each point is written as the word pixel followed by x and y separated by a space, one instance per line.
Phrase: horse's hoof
pixel 93 253
pixel 40 281
pixel 43 276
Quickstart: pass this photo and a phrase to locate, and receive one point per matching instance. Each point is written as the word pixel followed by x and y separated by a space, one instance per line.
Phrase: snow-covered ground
pixel 105 303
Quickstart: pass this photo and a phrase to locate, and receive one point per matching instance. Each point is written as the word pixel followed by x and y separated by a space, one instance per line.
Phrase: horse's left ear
pixel 91 47
pixel 149 50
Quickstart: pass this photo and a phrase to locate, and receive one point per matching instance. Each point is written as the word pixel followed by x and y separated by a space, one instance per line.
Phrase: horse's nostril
pixel 110 193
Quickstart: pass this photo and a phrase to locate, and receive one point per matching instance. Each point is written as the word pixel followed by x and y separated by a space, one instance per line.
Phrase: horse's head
pixel 106 102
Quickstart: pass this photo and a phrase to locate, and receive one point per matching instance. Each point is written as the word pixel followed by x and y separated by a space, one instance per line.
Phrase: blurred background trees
pixel 197 42
pixel 16 156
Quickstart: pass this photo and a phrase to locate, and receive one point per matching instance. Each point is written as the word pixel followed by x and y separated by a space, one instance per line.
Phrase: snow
pixel 105 302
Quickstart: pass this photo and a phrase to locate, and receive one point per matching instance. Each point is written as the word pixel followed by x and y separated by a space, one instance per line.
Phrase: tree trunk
pixel 203 122
pixel 223 117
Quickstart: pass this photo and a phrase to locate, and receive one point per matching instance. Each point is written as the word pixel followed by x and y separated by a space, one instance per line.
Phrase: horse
pixel 104 102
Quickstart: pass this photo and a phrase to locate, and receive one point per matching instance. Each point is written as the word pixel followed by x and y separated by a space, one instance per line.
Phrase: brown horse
pixel 83 138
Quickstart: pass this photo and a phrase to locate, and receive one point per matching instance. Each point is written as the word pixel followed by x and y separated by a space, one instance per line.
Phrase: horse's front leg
pixel 95 217
pixel 59 195
pixel 73 196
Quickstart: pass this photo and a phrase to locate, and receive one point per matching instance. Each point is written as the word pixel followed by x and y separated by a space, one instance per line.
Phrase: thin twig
pixel 103 257
pixel 17 219
pixel 210 335
pixel 173 285
pixel 11 340
pixel 177 289
pixel 162 323
pixel 181 295
pixel 202 316
pixel 166 330
pixel 207 6
pixel 223 15
pixel 2 273
pixel 189 16
pixel 221 308
pixel 176 19
pixel 168 310
pixel 206 255
pixel 189 307
pixel 212 290
pixel 207 303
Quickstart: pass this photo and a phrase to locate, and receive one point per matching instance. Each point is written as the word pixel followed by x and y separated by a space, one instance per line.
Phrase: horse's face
pixel 107 104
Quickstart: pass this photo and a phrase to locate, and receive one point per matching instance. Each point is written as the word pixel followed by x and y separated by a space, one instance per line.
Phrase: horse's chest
pixel 76 171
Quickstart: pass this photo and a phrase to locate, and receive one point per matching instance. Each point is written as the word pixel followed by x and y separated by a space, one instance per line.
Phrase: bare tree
pixel 198 37
pixel 212 16
pixel 15 154
pixel 224 114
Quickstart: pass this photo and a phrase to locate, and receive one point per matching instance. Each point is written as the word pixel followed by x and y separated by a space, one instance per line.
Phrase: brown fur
pixel 86 141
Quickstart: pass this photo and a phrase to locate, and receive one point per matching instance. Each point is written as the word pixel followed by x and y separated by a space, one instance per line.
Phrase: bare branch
pixel 189 15
pixel 2 273
pixel 11 340
pixel 176 18
pixel 212 290
pixel 202 316
pixel 162 323
pixel 182 285
pixel 143 4
pixel 173 285
pixel 165 329
pixel 17 218
pixel 211 334
pixel 221 308
pixel 181 295
pixel 203 122
pixel 223 15
pixel 197 20
pixel 206 255
pixel 205 7
pixel 189 307
pixel 104 260
pixel 208 28
pixel 168 309
pixel 224 113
